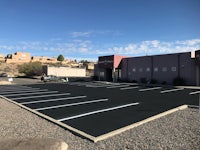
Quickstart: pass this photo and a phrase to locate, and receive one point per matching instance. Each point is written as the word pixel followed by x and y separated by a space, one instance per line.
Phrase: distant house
pixel 19 57
pixel 44 59
pixel 90 66
pixel 2 58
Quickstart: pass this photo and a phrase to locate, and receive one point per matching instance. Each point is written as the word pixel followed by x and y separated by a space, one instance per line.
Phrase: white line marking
pixel 172 90
pixel 40 96
pixel 149 89
pixel 27 91
pixel 52 100
pixel 128 88
pixel 98 111
pixel 20 87
pixel 196 92
pixel 72 104
pixel 129 84
pixel 96 86
pixel 10 90
pixel 36 93
pixel 118 86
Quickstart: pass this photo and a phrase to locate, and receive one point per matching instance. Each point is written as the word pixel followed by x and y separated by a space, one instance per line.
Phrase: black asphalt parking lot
pixel 99 108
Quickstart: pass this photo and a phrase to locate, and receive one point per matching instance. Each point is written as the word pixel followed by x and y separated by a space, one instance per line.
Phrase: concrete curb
pixel 32 144
pixel 113 133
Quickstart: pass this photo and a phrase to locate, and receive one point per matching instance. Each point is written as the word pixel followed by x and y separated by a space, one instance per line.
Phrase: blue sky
pixel 86 29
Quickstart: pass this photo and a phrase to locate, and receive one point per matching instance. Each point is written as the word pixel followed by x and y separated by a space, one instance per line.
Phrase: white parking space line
pixel 129 83
pixel 75 83
pixel 10 90
pixel 26 91
pixel 53 100
pixel 98 111
pixel 72 104
pixel 35 93
pixel 96 86
pixel 129 88
pixel 196 92
pixel 40 96
pixel 172 90
pixel 117 86
pixel 150 89
pixel 16 87
pixel 107 83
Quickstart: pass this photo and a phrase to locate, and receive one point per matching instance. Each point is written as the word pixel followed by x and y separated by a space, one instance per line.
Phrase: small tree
pixel 60 58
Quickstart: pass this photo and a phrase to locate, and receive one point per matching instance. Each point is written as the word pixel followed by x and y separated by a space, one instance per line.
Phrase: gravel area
pixel 180 130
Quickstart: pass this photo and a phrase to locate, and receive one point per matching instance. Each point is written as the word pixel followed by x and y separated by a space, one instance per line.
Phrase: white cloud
pixel 81 34
pixel 153 47
pixel 81 48
pixel 189 42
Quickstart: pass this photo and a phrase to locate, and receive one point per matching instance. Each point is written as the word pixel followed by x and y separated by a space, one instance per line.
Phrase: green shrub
pixel 60 58
pixel 31 69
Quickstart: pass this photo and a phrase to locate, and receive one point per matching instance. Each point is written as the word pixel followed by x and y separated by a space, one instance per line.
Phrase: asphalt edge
pixel 107 135
pixel 118 131
pixel 74 130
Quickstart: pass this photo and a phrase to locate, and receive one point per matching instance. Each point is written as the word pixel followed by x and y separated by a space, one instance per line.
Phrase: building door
pixel 108 74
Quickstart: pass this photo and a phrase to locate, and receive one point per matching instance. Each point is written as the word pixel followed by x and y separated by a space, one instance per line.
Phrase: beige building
pixel 90 66
pixel 19 57
pixel 2 58
pixel 44 59
pixel 64 71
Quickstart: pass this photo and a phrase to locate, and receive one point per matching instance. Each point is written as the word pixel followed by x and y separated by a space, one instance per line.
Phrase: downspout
pixel 178 65
pixel 127 69
pixel 151 67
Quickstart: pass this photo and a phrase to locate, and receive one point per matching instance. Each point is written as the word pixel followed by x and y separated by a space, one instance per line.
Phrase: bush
pixel 134 81
pixel 164 82
pixel 95 78
pixel 153 81
pixel 143 80
pixel 31 69
pixel 178 81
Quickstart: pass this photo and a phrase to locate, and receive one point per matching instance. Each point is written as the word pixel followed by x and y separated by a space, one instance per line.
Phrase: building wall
pixel 163 68
pixel 19 57
pixel 138 68
pixel 188 68
pixel 44 59
pixel 65 71
pixel 2 58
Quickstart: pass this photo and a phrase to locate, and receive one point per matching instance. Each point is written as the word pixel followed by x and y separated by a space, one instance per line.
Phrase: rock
pixel 33 144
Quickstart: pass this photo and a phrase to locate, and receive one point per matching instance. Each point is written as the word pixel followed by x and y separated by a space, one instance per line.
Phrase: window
pixel 134 69
pixel 156 69
pixel 141 69
pixel 164 69
pixel 148 69
pixel 173 69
